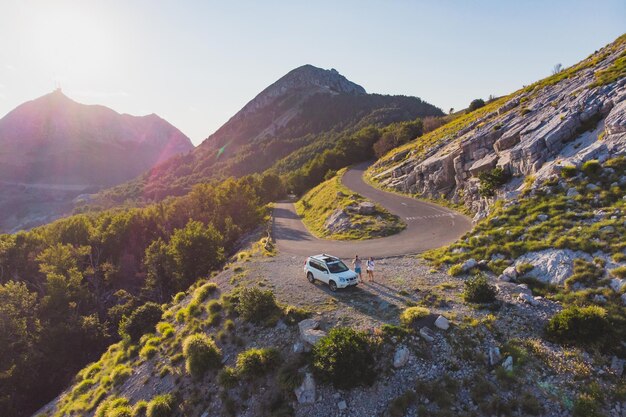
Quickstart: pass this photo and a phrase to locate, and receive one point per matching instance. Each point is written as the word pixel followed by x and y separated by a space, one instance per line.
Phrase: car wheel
pixel 332 285
pixel 309 276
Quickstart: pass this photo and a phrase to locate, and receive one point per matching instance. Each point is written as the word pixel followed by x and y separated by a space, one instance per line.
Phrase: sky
pixel 196 63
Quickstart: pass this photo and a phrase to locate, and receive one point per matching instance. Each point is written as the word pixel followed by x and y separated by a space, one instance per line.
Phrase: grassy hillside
pixel 316 206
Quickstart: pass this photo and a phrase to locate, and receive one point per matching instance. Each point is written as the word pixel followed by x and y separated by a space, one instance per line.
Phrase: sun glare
pixel 70 43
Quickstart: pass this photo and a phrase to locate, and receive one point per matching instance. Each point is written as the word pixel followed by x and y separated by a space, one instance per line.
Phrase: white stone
pixel 342 405
pixel 305 393
pixel 542 217
pixel 527 298
pixel 592 187
pixel 367 207
pixel 309 332
pixel 442 323
pixel 494 356
pixel 572 192
pixel 623 298
pixel 617 284
pixel 508 364
pixel 599 299
pixel 553 265
pixel 401 357
pixel 427 334
pixel 469 264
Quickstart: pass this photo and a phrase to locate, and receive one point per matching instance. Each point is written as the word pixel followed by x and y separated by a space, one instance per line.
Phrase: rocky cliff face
pixel 567 119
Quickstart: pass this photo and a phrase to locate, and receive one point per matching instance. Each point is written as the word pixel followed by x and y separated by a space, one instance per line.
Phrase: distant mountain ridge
pixel 287 115
pixel 55 139
pixel 53 149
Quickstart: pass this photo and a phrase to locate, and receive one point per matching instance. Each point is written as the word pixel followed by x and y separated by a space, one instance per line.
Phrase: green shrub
pixel 256 305
pixel 412 314
pixel 201 354
pixel 578 325
pixel 142 320
pixel 619 272
pixel 202 293
pixel 569 171
pixel 294 315
pixel 229 325
pixel 587 406
pixel 120 374
pixel 476 104
pixel 401 404
pixel 165 329
pixel 228 377
pixel 214 306
pixel 592 168
pixel 491 180
pixel 161 406
pixel 148 352
pixel 140 408
pixel 179 297
pixel 478 290
pixel 530 405
pixel 110 405
pixel 256 362
pixel 455 270
pixel 345 357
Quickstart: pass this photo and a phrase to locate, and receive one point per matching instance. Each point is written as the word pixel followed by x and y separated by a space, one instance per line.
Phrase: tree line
pixel 66 286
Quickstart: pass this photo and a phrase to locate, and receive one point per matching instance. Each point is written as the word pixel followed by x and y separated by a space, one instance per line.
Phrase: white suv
pixel 330 270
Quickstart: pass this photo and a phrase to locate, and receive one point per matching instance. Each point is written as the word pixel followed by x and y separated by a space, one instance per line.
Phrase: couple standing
pixel 369 267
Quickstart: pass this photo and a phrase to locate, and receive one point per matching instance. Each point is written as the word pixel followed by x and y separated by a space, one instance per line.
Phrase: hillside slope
pixel 297 110
pixel 53 149
pixel 569 118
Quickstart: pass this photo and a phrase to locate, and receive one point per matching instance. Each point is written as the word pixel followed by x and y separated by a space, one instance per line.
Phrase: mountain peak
pixel 312 76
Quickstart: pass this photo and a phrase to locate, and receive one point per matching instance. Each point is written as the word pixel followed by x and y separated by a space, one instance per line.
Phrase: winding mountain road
pixel 429 226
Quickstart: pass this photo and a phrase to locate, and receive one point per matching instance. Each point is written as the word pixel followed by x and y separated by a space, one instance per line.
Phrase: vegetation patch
pixel 317 206
pixel 201 354
pixel 346 358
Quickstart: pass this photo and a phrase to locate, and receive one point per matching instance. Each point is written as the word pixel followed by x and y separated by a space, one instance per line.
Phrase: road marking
pixel 404 204
pixel 432 216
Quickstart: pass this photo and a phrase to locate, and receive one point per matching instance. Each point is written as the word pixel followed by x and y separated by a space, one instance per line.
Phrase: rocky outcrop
pixel 552 266
pixel 535 130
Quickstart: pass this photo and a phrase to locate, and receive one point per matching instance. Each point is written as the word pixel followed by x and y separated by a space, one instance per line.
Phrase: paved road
pixel 428 226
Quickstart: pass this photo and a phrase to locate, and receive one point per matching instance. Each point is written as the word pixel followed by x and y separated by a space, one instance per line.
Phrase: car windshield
pixel 337 266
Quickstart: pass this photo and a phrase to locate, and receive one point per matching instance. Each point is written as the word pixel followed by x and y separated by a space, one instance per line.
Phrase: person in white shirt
pixel 370 268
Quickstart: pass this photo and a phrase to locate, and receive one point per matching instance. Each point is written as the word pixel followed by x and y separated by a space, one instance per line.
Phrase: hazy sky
pixel 195 63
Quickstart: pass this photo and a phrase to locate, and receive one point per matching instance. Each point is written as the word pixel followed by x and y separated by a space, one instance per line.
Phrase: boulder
pixel 527 298
pixel 572 192
pixel 341 405
pixel 543 217
pixel 367 208
pixel 442 323
pixel 617 284
pixel 552 266
pixel 508 364
pixel 592 187
pixel 305 393
pixel 623 298
pixel 338 221
pixel 312 336
pixel 427 334
pixel 599 299
pixel 494 356
pixel 469 264
pixel 615 122
pixel 401 357
pixel 309 331
pixel 509 274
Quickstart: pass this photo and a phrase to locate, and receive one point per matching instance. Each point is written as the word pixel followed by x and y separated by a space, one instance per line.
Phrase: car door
pixel 321 273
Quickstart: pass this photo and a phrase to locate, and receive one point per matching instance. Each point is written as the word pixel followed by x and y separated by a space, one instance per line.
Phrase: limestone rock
pixel 617 366
pixel 341 405
pixel 427 334
pixel 442 323
pixel 552 265
pixel 305 393
pixel 367 208
pixel 338 221
pixel 469 264
pixel 508 364
pixel 494 356
pixel 309 331
pixel 401 357
pixel 526 298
